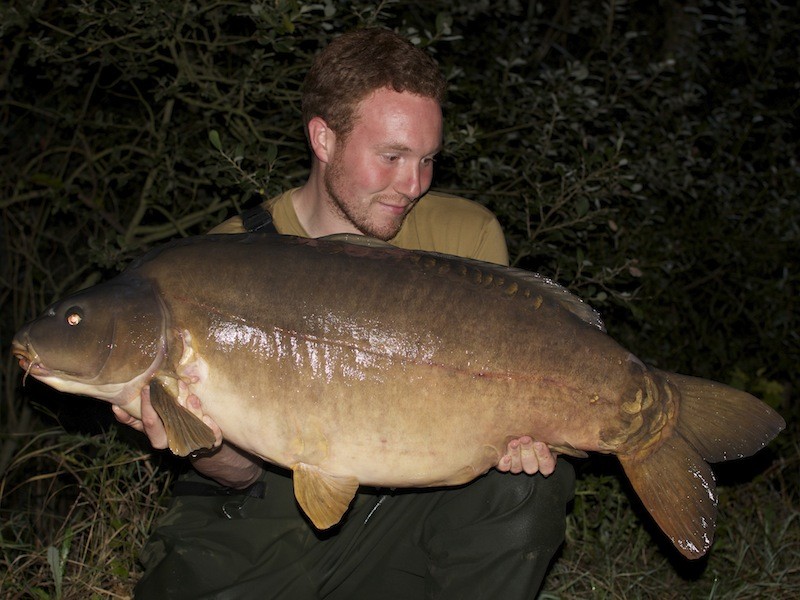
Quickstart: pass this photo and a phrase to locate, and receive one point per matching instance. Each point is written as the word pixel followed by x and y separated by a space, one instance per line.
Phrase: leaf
pixel 213 137
pixel 271 154
pixel 443 22
pixel 56 562
pixel 582 206
pixel 47 180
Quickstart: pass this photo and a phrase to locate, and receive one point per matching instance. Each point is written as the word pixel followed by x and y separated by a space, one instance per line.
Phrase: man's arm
pixel 229 466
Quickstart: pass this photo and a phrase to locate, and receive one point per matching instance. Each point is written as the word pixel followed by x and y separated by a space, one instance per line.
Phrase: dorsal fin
pixel 562 295
pixel 540 284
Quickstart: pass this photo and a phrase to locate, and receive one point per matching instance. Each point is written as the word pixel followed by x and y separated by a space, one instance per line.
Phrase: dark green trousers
pixel 493 538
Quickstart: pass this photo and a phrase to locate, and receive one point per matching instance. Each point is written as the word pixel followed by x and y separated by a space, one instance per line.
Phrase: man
pixel 372 111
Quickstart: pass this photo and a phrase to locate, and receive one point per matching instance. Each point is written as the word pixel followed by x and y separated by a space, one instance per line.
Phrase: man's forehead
pixel 386 99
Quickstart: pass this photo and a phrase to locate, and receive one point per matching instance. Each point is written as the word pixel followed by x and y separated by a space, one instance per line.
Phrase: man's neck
pixel 315 209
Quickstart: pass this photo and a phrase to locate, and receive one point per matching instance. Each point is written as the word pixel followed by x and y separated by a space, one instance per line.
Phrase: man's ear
pixel 321 138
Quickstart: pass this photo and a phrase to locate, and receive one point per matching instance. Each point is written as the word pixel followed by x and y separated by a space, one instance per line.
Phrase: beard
pixel 358 213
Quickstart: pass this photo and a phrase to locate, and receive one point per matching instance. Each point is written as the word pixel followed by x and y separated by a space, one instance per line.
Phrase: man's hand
pixel 523 454
pixel 226 464
pixel 151 425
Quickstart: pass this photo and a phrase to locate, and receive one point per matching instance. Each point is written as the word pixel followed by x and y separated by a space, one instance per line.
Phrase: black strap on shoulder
pixel 258 219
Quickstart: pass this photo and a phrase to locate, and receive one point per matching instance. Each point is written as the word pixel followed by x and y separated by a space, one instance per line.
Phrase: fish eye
pixel 74 316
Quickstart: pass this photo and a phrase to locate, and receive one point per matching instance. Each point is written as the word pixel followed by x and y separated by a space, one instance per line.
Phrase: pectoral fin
pixel 568 450
pixel 185 432
pixel 322 496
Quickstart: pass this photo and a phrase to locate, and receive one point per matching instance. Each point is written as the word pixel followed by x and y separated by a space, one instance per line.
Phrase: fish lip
pixel 33 367
pixel 22 352
pixel 28 360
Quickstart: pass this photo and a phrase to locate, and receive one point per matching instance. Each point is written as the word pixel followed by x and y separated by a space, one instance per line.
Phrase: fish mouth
pixel 28 360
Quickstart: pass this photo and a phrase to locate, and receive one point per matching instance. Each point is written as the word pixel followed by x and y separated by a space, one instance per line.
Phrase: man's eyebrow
pixel 404 148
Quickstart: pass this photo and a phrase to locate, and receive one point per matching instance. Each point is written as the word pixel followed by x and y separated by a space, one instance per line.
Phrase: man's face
pixel 375 176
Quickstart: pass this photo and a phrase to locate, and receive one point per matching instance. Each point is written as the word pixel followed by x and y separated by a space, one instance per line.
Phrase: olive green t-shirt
pixel 439 223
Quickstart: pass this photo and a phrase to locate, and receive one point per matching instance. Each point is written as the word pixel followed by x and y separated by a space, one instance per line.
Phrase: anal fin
pixel 185 432
pixel 322 496
pixel 568 450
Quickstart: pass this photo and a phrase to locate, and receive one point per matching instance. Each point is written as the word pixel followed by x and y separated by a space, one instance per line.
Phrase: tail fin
pixel 715 422
pixel 721 422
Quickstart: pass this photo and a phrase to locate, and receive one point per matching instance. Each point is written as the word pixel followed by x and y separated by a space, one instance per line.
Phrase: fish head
pixel 103 342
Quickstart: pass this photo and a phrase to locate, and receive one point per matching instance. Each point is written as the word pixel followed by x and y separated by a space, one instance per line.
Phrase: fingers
pixel 525 455
pixel 153 426
pixel 194 406
pixel 545 459
pixel 126 419
pixel 150 424
pixel 191 402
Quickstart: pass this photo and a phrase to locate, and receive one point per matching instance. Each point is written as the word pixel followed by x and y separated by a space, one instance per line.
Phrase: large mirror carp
pixel 354 363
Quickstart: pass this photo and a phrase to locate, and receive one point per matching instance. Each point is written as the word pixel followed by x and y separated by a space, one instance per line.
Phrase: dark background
pixel 642 153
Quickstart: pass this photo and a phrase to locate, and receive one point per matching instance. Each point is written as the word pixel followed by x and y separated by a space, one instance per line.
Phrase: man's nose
pixel 409 183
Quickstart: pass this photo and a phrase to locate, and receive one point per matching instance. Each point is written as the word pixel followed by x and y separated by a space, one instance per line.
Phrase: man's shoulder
pixel 280 204
pixel 439 206
pixel 450 224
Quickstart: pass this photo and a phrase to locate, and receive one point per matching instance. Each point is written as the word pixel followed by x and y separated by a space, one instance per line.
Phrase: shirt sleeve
pixel 232 225
pixel 491 245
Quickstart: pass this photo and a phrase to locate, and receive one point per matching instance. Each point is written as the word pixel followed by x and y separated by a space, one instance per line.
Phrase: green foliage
pixel 75 508
pixel 645 154
pixel 612 550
